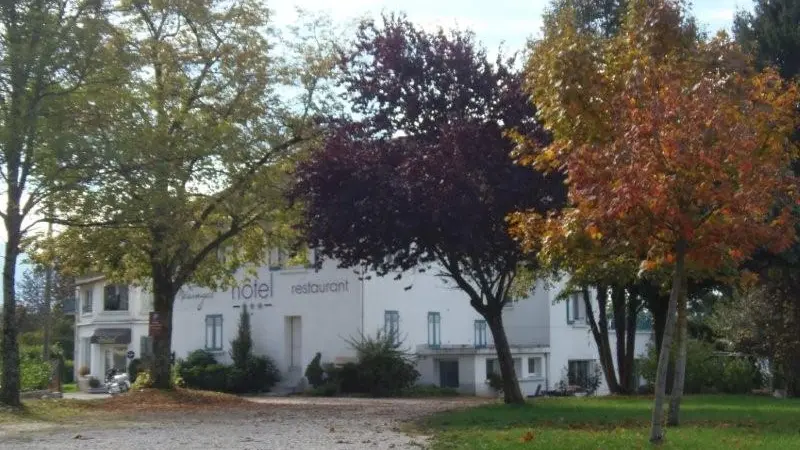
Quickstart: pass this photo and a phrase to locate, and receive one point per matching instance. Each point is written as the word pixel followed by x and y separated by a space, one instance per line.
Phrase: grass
pixel 121 407
pixel 708 422
pixel 69 387
pixel 50 411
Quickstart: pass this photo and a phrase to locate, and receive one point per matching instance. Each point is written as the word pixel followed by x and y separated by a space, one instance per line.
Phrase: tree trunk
pixel 659 306
pixel 163 299
pixel 511 391
pixel 9 393
pixel 673 418
pixel 48 298
pixel 657 431
pixel 632 382
pixel 599 329
pixel 620 327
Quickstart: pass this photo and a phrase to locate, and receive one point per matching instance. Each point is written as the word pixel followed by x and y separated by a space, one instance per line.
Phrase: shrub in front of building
pixel 383 369
pixel 315 374
pixel 201 370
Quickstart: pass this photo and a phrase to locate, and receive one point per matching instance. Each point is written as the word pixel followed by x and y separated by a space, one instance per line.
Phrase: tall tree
pixel 670 143
pixel 202 137
pixel 50 51
pixel 593 264
pixel 770 33
pixel 421 173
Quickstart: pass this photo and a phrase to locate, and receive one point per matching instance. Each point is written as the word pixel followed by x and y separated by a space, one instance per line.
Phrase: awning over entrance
pixel 111 336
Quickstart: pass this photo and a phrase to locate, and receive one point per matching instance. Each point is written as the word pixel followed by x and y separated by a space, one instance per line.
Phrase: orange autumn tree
pixel 670 142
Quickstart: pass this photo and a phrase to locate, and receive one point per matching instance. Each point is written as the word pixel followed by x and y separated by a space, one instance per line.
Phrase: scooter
pixel 117 383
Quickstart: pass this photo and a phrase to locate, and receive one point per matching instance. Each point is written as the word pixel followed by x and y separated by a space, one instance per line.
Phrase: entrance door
pixel 294 343
pixel 448 374
pixel 116 357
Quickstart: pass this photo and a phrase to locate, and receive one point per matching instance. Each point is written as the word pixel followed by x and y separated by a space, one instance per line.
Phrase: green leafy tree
pixel 770 34
pixel 51 54
pixel 201 141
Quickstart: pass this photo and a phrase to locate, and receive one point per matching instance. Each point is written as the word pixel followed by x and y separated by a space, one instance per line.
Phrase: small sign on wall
pixel 156 326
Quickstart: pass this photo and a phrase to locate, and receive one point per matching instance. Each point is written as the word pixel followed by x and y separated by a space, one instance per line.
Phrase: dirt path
pixel 275 423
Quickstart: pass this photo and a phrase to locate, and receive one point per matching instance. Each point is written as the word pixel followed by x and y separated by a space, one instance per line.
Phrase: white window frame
pixel 576 309
pixel 118 290
pixel 87 299
pixel 434 329
pixel 391 325
pixel 214 324
pixel 538 361
pixel 481 334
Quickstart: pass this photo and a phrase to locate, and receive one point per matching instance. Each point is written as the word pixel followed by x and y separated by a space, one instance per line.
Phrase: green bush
pixel 200 358
pixel 34 374
pixel 328 389
pixel 209 378
pixel 68 371
pixel 134 368
pixel 201 370
pixel 344 377
pixel 259 375
pixel 382 369
pixel 429 390
pixel 314 372
pixel 707 371
pixel 740 376
pixel 143 381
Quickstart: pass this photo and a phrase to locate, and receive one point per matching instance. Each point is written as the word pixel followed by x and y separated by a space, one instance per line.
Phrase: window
pixel 87 299
pixel 579 372
pixel 115 298
pixel 214 332
pixel 86 353
pixel 576 309
pixel 480 333
pixel 391 325
pixel 116 357
pixel 492 367
pixel 434 329
pixel 535 366
pixel 145 346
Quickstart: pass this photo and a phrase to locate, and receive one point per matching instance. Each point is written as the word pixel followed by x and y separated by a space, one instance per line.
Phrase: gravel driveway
pixel 276 423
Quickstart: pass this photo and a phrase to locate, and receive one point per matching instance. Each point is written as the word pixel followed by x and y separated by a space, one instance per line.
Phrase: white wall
pixel 135 318
pixel 527 321
pixel 327 318
pixel 575 342
pixel 427 293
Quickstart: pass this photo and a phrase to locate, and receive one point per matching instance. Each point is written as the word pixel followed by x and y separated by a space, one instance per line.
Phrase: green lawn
pixel 69 387
pixel 709 422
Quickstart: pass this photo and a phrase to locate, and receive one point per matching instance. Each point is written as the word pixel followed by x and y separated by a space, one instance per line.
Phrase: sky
pixel 495 22
pixel 506 23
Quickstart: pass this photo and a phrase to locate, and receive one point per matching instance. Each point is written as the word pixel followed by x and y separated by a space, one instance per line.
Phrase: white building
pixel 110 321
pixel 296 312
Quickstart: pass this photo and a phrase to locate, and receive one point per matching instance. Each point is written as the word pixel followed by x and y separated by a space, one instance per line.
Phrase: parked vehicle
pixel 117 383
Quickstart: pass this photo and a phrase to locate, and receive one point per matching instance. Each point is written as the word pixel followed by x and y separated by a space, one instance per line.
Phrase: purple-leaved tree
pixel 420 175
